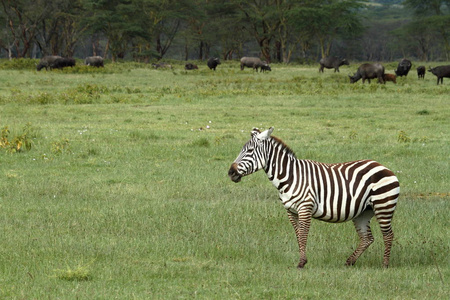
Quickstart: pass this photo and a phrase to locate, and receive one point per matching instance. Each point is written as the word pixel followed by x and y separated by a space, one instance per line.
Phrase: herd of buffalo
pixel 59 62
pixel 366 71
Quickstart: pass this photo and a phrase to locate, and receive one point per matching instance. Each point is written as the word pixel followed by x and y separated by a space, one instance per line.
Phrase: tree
pixel 197 27
pixel 436 15
pixel 60 31
pixel 285 41
pixel 166 18
pixel 216 27
pixel 258 19
pixel 119 20
pixel 22 18
pixel 328 20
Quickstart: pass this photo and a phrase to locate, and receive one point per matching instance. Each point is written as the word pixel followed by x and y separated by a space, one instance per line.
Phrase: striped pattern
pixel 333 193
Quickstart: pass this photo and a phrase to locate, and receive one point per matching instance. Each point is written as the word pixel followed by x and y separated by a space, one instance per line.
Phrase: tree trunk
pixel 278 50
pixel 106 49
pixel 264 44
pixel 200 52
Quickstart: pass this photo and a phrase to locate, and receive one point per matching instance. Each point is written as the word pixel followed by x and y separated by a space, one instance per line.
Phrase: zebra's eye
pixel 249 150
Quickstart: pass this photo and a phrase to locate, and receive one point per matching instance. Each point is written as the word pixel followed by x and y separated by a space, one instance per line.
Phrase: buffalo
pixel 368 71
pixel 421 72
pixel 440 72
pixel 265 67
pixel 190 66
pixel 403 67
pixel 332 62
pixel 253 62
pixel 94 61
pixel 213 62
pixel 62 62
pixel 46 62
pixel 390 77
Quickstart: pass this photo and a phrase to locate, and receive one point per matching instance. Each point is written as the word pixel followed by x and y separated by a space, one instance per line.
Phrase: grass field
pixel 113 183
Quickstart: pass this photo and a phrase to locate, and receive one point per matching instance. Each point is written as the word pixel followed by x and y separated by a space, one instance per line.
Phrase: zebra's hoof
pixel 301 264
pixel 349 263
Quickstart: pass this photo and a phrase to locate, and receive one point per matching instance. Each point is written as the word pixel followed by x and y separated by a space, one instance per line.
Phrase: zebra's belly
pixel 339 214
pixel 318 213
pixel 335 218
pixel 328 211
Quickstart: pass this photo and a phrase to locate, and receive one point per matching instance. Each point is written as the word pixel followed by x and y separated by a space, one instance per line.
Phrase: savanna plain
pixel 113 182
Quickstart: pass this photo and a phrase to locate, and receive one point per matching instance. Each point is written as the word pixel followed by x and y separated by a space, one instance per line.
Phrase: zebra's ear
pixel 255 131
pixel 265 134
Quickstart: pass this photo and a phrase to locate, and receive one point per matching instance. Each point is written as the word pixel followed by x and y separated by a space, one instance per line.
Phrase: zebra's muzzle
pixel 234 174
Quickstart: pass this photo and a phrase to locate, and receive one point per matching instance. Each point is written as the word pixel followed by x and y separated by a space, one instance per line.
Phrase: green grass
pixel 124 193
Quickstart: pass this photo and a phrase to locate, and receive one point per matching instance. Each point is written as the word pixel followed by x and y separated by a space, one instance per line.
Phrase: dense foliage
pixel 276 30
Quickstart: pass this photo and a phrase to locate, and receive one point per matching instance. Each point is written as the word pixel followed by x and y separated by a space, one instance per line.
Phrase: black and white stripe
pixel 356 190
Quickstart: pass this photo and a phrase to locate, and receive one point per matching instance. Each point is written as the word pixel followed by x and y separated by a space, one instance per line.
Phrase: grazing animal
pixel 265 67
pixel 162 65
pixel 332 62
pixel 46 62
pixel 213 62
pixel 403 67
pixel 334 193
pixel 190 66
pixel 94 61
pixel 421 72
pixel 62 62
pixel 440 72
pixel 368 71
pixel 390 77
pixel 252 62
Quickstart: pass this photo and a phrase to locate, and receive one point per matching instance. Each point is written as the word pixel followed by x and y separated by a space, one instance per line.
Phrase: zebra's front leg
pixel 301 223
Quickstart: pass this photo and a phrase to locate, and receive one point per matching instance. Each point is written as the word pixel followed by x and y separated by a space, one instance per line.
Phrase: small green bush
pixel 403 137
pixel 18 64
pixel 19 142
pixel 80 273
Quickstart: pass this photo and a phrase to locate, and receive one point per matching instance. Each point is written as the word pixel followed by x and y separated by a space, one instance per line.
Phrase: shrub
pixel 19 142
pixel 403 137
pixel 18 64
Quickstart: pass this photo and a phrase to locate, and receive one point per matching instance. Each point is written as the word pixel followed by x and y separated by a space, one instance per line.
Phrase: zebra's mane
pixel 283 146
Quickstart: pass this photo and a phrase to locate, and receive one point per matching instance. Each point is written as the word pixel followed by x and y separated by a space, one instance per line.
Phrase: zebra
pixel 334 193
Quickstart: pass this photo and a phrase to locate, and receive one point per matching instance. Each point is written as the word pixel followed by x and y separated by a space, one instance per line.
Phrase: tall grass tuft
pixel 79 273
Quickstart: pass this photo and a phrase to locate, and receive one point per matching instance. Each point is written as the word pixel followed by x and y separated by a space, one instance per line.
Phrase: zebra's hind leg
pixel 388 237
pixel 384 219
pixel 362 225
pixel 384 211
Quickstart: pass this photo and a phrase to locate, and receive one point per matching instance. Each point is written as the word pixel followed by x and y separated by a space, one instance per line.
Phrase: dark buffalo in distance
pixel 390 77
pixel 46 62
pixel 94 61
pixel 265 67
pixel 252 62
pixel 213 62
pixel 421 72
pixel 62 62
pixel 368 71
pixel 332 63
pixel 403 67
pixel 190 66
pixel 440 72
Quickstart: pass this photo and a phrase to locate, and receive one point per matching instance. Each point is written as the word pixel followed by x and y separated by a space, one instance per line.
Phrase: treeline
pixel 276 30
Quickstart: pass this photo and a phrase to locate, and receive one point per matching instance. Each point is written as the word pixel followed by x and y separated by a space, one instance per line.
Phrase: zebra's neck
pixel 280 161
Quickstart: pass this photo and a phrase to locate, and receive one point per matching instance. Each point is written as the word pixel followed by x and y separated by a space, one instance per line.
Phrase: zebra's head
pixel 252 157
